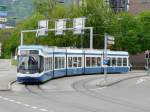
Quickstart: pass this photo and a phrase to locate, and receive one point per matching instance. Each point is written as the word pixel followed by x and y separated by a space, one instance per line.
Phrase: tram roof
pixel 70 49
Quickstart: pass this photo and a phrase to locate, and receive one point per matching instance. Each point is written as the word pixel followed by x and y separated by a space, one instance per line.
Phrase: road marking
pixel 44 110
pixel 102 88
pixel 5 98
pixel 34 107
pixel 19 102
pixel 140 81
pixel 11 100
pixel 24 104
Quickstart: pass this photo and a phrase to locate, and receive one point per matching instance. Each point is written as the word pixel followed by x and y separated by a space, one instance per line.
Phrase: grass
pixel 14 62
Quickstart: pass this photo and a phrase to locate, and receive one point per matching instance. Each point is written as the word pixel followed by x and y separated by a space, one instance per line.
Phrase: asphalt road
pixel 78 94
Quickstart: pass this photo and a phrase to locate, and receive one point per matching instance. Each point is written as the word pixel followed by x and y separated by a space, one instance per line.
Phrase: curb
pixel 9 86
pixel 105 84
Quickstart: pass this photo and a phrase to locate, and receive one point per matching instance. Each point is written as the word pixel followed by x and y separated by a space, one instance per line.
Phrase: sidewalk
pixel 7 76
pixel 114 80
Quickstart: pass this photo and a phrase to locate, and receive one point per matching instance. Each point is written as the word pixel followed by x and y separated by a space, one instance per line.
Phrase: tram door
pixel 59 62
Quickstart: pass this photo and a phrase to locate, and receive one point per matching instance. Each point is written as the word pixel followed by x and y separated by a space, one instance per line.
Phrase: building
pixel 137 6
pixel 3 16
pixel 138 61
pixel 118 5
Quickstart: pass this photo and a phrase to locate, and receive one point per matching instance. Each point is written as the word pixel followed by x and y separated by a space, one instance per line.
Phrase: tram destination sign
pixel 28 52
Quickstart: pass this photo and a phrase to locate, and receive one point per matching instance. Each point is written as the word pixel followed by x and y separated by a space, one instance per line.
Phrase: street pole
pixel 147 65
pixel 69 29
pixel 105 57
pixel 21 38
pixel 81 41
pixel 91 37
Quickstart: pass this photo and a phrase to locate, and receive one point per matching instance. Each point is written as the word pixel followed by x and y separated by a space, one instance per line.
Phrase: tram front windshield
pixel 29 64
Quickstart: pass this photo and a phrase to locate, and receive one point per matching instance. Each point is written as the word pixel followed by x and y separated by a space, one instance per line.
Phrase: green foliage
pixel 131 32
pixel 144 41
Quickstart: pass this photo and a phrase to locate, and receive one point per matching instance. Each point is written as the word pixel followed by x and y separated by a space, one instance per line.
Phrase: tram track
pixel 74 105
pixel 80 86
pixel 29 88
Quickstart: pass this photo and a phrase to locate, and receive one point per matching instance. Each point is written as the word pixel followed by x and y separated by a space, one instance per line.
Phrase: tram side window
pixel 109 62
pixel 93 61
pixel 119 61
pixel 87 61
pixel 60 62
pixel 41 64
pixel 56 62
pixel 98 61
pixel 74 61
pixel 113 61
pixel 45 61
pixel 48 64
pixel 124 61
pixel 70 62
pixel 79 62
pixel 63 62
pixel 44 64
pixel 51 64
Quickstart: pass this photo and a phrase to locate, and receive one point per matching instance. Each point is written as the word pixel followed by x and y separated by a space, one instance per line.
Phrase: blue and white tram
pixel 41 63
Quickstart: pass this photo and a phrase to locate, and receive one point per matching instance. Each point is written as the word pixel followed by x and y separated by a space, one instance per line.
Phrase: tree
pixel 130 31
pixel 144 40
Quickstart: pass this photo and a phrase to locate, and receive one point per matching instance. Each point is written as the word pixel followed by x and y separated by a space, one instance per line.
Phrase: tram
pixel 41 63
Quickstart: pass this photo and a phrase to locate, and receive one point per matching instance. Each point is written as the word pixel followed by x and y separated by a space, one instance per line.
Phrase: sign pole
pixel 21 38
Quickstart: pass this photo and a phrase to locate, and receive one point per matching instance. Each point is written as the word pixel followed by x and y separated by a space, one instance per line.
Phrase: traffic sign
pixel 110 40
pixel 3 19
pixel 105 62
pixel 60 26
pixel 42 28
pixel 78 25
pixel 2 26
pixel 109 37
